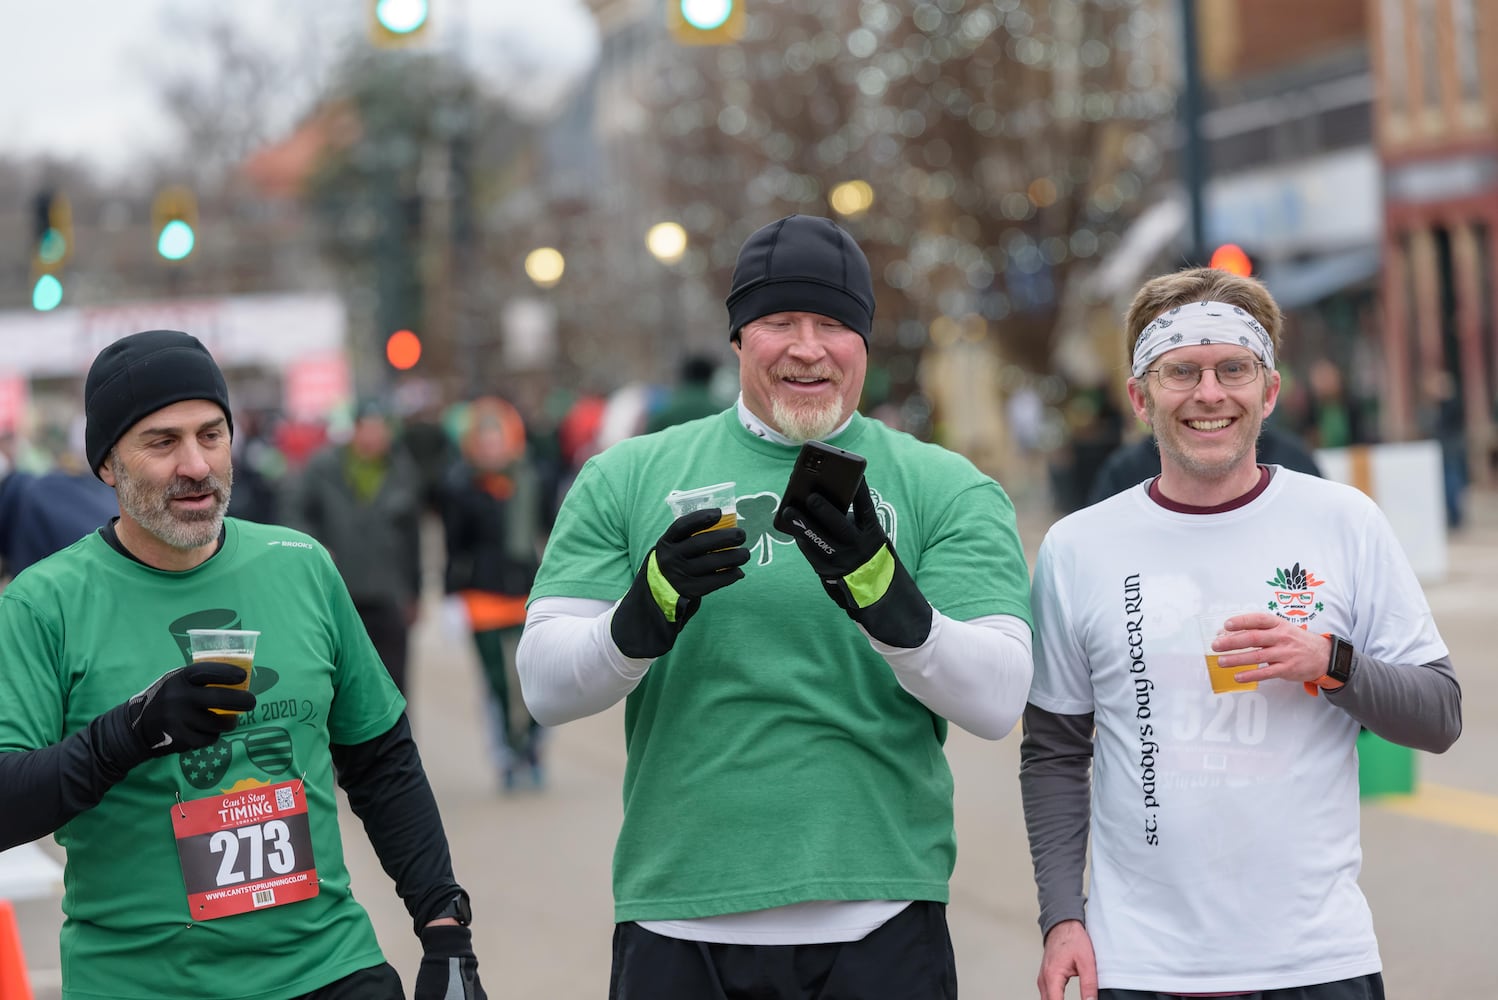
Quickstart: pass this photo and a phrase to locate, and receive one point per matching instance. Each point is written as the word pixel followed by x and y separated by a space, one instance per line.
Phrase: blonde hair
pixel 1201 284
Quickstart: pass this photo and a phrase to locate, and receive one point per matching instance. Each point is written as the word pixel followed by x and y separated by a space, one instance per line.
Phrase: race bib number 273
pixel 245 851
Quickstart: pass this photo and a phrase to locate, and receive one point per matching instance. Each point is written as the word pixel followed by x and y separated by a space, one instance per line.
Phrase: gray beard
pixel 153 512
pixel 801 423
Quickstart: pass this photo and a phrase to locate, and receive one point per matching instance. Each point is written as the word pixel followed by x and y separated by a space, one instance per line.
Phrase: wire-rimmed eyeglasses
pixel 1185 375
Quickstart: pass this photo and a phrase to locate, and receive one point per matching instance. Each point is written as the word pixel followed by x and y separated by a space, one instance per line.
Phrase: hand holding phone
pixel 822 469
pixel 852 556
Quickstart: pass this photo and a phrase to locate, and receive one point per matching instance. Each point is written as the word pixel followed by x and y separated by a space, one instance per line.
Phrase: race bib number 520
pixel 245 851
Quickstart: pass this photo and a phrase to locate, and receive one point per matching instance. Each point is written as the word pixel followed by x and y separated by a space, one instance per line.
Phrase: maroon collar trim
pixel 1222 508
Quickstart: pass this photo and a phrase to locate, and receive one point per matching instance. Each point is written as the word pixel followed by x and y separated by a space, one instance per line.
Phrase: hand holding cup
pixel 1212 628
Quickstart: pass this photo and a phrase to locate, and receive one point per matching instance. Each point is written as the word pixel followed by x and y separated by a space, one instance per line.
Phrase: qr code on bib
pixel 285 799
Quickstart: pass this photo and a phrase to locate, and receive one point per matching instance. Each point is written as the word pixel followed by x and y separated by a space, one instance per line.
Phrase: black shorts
pixel 909 957
pixel 1361 988
pixel 379 982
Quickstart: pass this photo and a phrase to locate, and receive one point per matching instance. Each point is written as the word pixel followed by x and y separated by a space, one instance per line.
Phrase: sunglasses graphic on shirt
pixel 268 749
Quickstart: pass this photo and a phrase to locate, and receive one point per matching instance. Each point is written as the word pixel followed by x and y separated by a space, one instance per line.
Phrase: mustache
pixel 830 374
pixel 182 487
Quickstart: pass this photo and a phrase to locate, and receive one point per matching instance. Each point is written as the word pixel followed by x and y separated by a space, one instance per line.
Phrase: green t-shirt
pixel 88 628
pixel 773 758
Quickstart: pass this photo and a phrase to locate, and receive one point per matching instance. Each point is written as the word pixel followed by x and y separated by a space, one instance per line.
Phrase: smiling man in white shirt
pixel 1223 817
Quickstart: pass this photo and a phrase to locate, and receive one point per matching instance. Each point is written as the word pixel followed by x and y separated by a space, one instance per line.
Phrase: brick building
pixel 1437 138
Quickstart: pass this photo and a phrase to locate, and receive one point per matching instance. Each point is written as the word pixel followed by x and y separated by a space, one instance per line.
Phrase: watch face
pixel 461 910
pixel 1340 668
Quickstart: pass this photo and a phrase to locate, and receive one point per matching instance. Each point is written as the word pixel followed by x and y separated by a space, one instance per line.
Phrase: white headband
pixel 1202 323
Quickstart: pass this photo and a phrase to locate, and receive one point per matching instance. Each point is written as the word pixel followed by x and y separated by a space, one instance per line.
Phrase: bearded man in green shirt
pixel 204 858
pixel 788 824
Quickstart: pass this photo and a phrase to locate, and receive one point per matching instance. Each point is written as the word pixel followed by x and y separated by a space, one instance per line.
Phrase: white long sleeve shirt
pixel 975 674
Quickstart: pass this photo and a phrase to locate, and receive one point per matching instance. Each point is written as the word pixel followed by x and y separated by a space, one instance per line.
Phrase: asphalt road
pixel 537 863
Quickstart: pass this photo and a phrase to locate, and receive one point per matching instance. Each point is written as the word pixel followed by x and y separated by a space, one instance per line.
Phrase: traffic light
pixel 174 220
pixel 706 22
pixel 395 24
pixel 1232 258
pixel 53 231
pixel 52 247
pixel 403 350
pixel 46 294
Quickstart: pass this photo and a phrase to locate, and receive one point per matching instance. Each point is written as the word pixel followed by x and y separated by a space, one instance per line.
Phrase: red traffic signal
pixel 1233 259
pixel 403 350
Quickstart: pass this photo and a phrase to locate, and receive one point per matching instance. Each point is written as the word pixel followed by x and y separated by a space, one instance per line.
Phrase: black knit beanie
pixel 802 263
pixel 138 375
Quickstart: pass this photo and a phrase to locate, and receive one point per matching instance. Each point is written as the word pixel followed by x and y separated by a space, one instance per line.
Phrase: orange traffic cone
pixel 14 984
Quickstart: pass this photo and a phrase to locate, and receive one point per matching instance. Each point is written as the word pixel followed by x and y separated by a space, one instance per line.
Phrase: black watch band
pixel 458 909
pixel 1339 665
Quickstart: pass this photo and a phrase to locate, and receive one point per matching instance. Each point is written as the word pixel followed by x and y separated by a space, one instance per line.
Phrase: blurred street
pixel 537 864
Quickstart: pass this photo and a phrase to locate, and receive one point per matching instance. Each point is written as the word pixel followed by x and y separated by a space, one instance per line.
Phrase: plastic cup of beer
pixel 1212 627
pixel 225 645
pixel 719 495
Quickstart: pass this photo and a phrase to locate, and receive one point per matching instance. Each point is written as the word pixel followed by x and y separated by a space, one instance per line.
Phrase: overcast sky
pixel 77 75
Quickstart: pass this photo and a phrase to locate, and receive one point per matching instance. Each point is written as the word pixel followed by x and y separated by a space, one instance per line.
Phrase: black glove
pixel 688 562
pixel 175 713
pixel 449 969
pixel 859 569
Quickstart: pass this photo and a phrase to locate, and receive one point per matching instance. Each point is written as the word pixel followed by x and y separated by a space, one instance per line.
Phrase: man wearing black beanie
pixel 179 800
pixel 788 821
pixel 177 525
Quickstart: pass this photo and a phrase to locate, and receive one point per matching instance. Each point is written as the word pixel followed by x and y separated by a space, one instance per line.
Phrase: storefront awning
pixel 1140 249
pixel 1306 283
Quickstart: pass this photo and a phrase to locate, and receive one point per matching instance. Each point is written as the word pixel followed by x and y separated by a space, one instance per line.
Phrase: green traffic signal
pixel 706 15
pixel 53 233
pixel 46 294
pixel 401 17
pixel 176 240
pixel 52 248
pixel 706 22
pixel 174 217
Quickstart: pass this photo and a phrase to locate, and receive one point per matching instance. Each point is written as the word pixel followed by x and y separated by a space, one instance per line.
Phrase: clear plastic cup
pixel 1222 679
pixel 719 495
pixel 225 645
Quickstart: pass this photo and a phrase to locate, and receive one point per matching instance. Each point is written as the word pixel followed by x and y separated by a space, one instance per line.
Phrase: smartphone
pixel 821 468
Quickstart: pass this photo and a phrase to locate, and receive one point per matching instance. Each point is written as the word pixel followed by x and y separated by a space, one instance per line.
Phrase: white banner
pixel 1404 479
pixel 265 330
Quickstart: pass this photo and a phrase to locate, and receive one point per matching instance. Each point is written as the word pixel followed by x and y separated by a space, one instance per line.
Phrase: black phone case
pixel 821 468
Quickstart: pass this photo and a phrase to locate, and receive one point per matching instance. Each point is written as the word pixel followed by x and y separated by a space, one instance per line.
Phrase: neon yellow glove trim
pixel 665 595
pixel 870 582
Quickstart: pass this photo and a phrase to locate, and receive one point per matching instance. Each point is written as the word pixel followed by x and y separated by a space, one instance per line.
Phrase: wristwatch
pixel 1339 666
pixel 459 910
